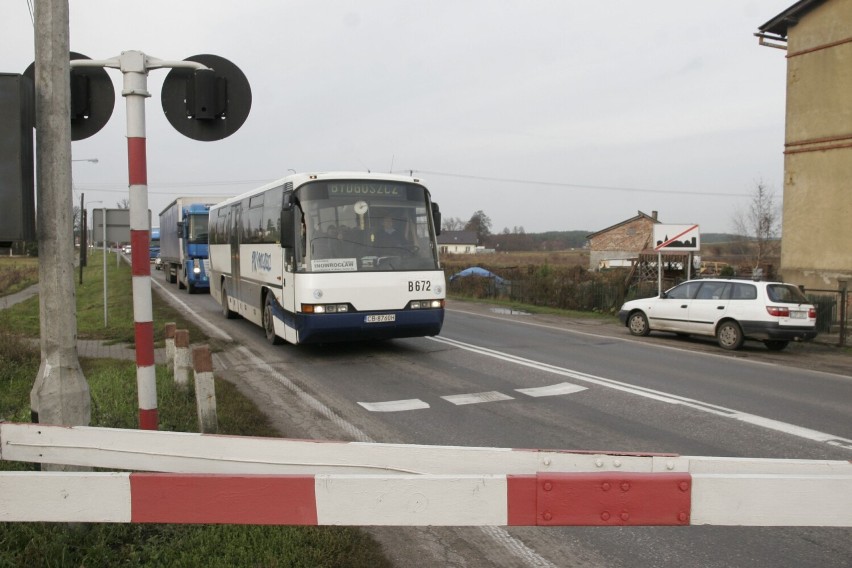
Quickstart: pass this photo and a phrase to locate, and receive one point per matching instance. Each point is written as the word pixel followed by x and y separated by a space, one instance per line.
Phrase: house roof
pixel 789 17
pixel 625 222
pixel 457 238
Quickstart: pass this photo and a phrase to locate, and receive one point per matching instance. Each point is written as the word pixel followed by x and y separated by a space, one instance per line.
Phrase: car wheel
pixel 776 344
pixel 637 323
pixel 268 320
pixel 226 311
pixel 730 336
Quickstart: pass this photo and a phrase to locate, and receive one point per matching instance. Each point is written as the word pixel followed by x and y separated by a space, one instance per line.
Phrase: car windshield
pixel 785 294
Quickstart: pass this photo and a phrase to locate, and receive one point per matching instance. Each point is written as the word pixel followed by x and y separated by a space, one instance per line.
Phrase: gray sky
pixel 547 115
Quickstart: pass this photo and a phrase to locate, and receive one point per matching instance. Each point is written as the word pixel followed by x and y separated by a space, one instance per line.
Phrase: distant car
pixel 126 249
pixel 732 311
pixel 158 263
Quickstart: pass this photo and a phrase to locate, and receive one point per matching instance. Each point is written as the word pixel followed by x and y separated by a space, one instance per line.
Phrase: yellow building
pixel 816 244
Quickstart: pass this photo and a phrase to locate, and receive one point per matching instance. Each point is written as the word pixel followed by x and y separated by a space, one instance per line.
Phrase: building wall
pixel 458 249
pixel 816 249
pixel 621 242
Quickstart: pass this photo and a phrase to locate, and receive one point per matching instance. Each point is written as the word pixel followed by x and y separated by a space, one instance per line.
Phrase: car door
pixel 708 307
pixel 670 312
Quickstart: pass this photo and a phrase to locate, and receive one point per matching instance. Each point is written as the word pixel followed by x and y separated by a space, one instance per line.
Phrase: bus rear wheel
pixel 269 321
pixel 226 311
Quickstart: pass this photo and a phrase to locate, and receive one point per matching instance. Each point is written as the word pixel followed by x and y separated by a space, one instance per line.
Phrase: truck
pixel 154 246
pixel 183 242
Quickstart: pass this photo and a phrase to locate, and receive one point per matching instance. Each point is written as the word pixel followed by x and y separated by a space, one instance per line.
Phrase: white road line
pixel 769 423
pixel 552 390
pixel 526 555
pixel 208 327
pixel 476 397
pixel 395 405
pixel 631 340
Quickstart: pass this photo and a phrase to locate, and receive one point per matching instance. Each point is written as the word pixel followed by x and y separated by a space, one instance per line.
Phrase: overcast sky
pixel 546 115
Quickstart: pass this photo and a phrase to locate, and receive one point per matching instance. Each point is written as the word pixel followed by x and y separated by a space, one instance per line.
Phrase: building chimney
pixel 654 215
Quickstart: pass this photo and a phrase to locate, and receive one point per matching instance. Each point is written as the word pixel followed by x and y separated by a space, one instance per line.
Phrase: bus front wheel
pixel 268 321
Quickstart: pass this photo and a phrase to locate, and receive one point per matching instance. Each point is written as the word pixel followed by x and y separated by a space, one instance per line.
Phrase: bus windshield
pixel 364 225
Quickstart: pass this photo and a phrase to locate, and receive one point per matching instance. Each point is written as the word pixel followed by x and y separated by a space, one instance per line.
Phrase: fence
pixel 832 310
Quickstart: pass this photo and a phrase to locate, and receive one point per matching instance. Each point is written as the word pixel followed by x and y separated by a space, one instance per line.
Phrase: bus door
pixel 292 259
pixel 235 238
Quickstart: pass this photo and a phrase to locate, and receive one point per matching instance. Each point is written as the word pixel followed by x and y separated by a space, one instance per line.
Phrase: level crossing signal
pixel 208 104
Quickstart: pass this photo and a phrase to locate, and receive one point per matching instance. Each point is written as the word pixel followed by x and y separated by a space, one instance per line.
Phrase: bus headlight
pixel 325 308
pixel 425 304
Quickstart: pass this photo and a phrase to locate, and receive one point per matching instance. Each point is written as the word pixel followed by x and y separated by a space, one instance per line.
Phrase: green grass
pixel 533 309
pixel 112 385
pixel 24 317
pixel 17 273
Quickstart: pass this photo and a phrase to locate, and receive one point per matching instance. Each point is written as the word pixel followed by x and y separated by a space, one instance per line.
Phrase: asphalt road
pixel 513 380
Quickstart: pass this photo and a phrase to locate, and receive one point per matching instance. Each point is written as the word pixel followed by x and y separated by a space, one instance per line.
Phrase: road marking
pixel 552 390
pixel 395 405
pixel 771 424
pixel 499 535
pixel 476 397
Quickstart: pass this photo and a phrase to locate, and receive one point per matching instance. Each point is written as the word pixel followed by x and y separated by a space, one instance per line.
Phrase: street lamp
pixel 93 160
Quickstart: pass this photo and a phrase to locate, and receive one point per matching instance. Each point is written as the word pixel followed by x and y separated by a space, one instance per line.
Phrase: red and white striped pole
pixel 135 70
pixel 134 66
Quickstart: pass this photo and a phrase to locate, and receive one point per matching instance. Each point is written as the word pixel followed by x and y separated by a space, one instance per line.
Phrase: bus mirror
pixel 287 228
pixel 436 218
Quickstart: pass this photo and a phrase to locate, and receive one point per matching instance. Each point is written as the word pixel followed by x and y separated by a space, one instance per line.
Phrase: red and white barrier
pixel 454 486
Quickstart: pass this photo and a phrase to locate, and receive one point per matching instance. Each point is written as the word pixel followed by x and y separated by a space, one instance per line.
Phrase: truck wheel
pixel 268 321
pixel 181 285
pixel 171 274
pixel 190 288
pixel 226 311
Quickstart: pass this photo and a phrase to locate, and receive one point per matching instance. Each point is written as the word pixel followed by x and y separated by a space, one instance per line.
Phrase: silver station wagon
pixel 732 311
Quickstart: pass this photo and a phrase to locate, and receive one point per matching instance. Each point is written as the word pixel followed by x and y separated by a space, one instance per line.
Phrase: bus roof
pixel 300 179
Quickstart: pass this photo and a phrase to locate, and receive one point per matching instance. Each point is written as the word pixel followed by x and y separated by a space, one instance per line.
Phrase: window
pixel 744 291
pixel 712 291
pixel 685 291
pixel 785 294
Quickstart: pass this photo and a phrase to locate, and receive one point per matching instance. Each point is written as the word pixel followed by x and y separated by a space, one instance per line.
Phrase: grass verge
pixel 112 385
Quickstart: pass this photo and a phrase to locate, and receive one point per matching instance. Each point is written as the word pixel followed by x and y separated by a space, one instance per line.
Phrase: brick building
pixel 621 244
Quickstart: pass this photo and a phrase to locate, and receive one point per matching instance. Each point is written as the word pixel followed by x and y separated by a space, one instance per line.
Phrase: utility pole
pixel 60 394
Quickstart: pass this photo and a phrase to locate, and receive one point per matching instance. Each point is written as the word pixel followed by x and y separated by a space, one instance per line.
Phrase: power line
pixel 258 182
pixel 577 186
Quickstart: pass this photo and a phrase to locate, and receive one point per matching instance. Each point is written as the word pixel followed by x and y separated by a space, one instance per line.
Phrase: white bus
pixel 315 258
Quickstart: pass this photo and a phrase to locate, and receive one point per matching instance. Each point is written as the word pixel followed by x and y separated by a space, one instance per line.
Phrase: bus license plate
pixel 380 318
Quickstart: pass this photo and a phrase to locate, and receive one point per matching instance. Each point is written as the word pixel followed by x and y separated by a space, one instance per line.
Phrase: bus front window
pixel 367 226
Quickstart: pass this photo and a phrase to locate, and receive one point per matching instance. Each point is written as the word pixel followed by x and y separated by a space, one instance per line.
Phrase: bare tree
pixel 123 204
pixel 452 224
pixel 760 224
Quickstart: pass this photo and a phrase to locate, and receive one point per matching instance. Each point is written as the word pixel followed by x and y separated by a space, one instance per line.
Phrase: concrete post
pixel 183 360
pixel 60 394
pixel 205 390
pixel 170 344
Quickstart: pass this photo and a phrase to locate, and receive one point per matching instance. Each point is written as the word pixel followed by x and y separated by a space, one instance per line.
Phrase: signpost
pixel 675 238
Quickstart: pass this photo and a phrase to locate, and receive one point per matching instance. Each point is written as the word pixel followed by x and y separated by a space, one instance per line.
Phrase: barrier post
pixel 170 344
pixel 183 361
pixel 205 390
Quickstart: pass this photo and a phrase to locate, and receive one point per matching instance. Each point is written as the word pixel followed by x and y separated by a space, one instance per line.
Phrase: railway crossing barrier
pixel 203 478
